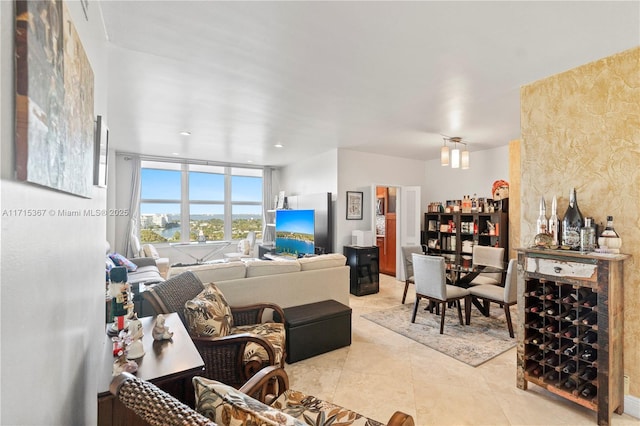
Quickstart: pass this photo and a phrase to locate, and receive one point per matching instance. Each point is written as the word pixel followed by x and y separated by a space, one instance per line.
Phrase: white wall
pixel 311 176
pixel 444 183
pixel 51 269
pixel 357 171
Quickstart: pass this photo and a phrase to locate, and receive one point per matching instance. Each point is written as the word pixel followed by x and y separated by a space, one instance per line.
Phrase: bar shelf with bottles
pixel 570 335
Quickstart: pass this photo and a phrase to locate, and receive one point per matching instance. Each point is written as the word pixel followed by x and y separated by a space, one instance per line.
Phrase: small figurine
pixel 160 330
pixel 135 349
pixel 122 364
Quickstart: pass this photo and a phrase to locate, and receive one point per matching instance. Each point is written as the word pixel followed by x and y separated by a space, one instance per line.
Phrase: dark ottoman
pixel 316 328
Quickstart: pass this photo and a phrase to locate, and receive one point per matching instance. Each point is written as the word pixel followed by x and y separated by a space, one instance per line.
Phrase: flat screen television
pixel 295 232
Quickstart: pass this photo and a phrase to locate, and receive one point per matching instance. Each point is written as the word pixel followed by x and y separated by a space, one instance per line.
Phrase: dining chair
pixel 407 252
pixel 431 284
pixel 488 256
pixel 504 297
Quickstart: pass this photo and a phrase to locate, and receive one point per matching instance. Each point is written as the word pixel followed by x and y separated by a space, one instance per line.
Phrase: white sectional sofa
pixel 284 282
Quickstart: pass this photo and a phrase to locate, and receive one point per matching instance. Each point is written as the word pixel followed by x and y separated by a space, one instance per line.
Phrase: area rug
pixel 474 344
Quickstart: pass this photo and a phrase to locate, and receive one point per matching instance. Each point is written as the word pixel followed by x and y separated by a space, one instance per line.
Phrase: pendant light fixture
pixel 458 159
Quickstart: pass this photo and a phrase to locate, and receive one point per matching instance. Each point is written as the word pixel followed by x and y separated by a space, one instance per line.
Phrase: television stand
pixel 263 249
pixel 274 256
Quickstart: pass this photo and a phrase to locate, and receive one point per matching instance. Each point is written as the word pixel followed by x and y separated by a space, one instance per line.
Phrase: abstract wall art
pixel 54 100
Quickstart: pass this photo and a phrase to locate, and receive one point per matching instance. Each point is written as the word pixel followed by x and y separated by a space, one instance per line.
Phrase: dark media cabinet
pixel 364 274
pixel 570 327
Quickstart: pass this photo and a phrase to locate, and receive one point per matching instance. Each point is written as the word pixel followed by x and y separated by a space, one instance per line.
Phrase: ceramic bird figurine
pixel 122 364
pixel 160 330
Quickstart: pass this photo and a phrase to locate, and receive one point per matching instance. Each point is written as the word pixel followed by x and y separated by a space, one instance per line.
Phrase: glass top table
pixel 206 249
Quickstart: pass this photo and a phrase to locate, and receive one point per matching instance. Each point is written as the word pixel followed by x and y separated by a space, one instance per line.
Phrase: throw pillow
pixel 150 251
pixel 109 264
pixel 314 411
pixel 208 314
pixel 228 406
pixel 120 260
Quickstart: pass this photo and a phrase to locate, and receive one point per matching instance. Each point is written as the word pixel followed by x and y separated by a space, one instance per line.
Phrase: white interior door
pixel 408 224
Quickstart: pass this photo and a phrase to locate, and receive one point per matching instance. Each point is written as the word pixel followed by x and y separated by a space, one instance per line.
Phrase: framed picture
pixel 55 123
pixel 354 205
pixel 101 153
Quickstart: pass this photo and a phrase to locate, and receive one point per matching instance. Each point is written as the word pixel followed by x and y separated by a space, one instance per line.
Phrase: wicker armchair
pixel 224 357
pixel 158 408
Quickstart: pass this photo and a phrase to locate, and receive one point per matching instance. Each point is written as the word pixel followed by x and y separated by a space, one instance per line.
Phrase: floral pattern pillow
pixel 229 407
pixel 209 314
pixel 316 412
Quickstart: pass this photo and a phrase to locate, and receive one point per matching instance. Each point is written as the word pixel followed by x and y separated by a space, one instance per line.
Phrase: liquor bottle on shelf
pixel 589 374
pixel 590 337
pixel 587 236
pixel 571 350
pixel 541 223
pixel 589 391
pixel 609 239
pixel 571 223
pixel 569 367
pixel 589 354
pixel 590 319
pixel 554 223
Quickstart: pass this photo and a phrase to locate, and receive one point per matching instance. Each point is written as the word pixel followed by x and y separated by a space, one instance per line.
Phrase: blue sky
pixel 301 221
pixel 165 185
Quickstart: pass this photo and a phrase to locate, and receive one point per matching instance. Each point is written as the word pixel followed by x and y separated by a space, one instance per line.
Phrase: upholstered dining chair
pixel 233 341
pixel 431 284
pixel 488 256
pixel 407 252
pixel 504 297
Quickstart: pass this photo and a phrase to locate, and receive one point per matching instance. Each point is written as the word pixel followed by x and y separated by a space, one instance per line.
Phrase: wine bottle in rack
pixel 589 374
pixel 570 316
pixel 551 328
pixel 591 300
pixel 553 295
pixel 553 345
pixel 550 308
pixel 589 391
pixel 589 354
pixel 570 384
pixel 537 307
pixel 571 350
pixel 570 299
pixel 535 324
pixel 570 333
pixel 590 319
pixel 590 337
pixel 569 367
pixel 536 371
pixel 543 290
pixel 572 222
pixel 551 376
pixel 552 360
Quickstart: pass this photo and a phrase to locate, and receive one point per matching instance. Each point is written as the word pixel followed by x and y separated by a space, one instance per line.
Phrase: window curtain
pixel 268 232
pixel 134 207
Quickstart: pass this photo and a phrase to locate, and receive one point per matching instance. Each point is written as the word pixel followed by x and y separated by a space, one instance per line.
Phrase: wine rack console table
pixel 570 327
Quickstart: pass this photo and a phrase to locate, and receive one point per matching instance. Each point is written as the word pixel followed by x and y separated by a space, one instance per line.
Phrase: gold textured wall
pixel 581 129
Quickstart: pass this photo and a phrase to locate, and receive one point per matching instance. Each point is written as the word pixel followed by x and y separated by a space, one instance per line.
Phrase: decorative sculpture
pixel 135 349
pixel 160 330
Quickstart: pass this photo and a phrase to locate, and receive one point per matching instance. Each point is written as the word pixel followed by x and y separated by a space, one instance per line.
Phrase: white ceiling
pixel 381 77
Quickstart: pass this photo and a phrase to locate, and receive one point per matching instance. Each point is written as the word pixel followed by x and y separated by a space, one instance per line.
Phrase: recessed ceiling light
pixel 175 153
pixel 279 145
pixel 185 133
pixel 249 161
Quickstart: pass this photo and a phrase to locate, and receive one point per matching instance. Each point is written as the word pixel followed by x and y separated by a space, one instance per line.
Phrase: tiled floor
pixel 382 372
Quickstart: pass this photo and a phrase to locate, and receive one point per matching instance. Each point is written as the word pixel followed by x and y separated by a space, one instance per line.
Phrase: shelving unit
pixel 570 322
pixel 463 230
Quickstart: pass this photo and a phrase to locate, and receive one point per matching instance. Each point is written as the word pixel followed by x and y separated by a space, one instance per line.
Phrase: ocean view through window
pixel 182 202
